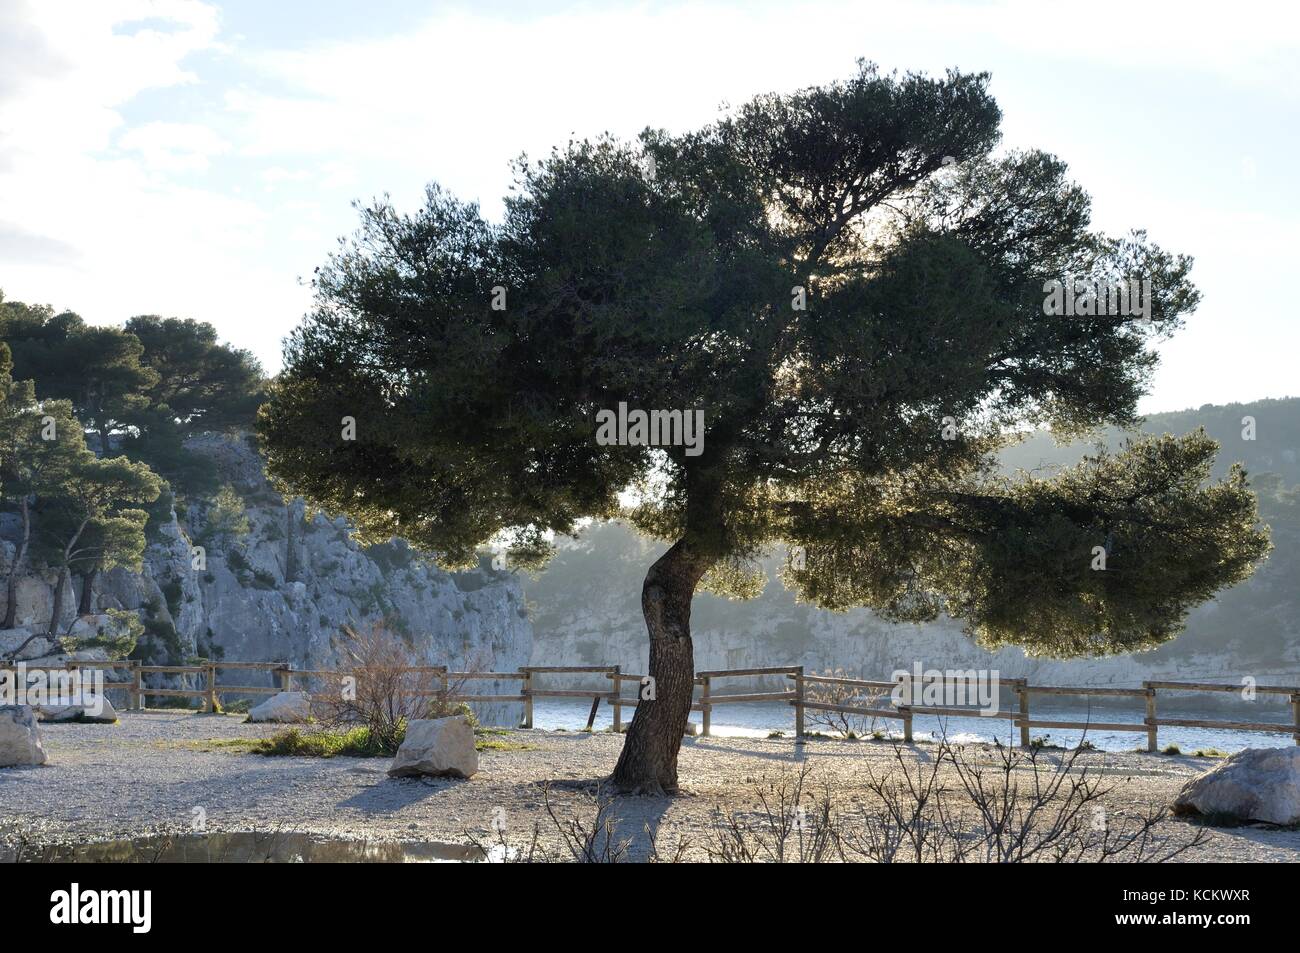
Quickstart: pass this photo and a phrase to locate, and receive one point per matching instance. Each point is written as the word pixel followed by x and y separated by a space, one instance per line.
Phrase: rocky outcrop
pixel 1258 784
pixel 284 707
pixel 283 589
pixel 20 738
pixel 438 747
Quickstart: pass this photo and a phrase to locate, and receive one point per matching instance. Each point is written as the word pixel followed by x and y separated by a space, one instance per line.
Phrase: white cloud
pixel 214 215
pixel 100 217
pixel 174 146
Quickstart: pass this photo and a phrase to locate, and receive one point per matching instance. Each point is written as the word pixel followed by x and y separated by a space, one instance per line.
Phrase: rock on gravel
pixel 440 747
pixel 1258 784
pixel 20 738
pixel 285 708
pixel 100 710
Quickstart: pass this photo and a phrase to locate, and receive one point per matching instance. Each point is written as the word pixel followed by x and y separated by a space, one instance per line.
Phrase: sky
pixel 199 159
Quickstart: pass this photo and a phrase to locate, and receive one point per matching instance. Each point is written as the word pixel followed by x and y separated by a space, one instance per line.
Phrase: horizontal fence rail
pixel 449 684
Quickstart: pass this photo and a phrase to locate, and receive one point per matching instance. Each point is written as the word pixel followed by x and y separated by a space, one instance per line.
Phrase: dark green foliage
pixel 202 384
pixel 923 258
pixel 147 386
pixel 172 591
pixel 97 368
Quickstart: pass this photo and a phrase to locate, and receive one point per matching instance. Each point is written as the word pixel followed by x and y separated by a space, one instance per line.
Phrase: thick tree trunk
pixel 57 608
pixel 648 763
pixel 87 592
pixel 65 574
pixel 20 554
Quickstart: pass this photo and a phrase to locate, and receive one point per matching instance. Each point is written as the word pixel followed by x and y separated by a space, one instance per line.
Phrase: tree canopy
pixel 849 281
pixel 143 388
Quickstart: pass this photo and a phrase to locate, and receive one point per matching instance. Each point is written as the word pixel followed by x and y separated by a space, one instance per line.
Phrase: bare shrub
pixel 848 696
pixel 790 826
pixel 1013 809
pixel 962 805
pixel 385 684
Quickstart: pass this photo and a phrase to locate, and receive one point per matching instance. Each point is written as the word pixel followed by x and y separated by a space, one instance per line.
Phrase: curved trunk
pixel 20 555
pixel 648 762
pixel 84 607
pixel 57 609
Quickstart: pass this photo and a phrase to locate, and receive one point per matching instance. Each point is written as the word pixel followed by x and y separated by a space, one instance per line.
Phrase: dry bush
pixel 387 684
pixel 851 696
pixel 1014 809
pixel 956 807
pixel 790 826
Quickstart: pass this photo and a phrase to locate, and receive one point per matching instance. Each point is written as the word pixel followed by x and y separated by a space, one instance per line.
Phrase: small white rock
pixel 99 709
pixel 284 707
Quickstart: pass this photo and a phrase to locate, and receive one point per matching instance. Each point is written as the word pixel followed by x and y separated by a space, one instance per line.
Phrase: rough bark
pixel 57 609
pixel 648 762
pixel 20 554
pixel 64 573
pixel 85 605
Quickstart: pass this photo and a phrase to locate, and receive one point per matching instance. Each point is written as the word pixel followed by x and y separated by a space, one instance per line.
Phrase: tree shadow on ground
pixel 392 795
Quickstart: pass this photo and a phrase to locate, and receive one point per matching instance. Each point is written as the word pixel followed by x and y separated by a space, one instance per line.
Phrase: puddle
pixel 249 848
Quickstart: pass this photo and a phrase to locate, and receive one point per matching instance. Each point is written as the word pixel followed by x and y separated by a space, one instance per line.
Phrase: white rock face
pixel 20 738
pixel 99 710
pixel 283 590
pixel 441 747
pixel 1258 784
pixel 285 707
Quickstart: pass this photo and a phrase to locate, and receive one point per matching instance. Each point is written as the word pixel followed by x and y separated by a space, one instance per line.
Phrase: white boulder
pixel 97 709
pixel 1258 784
pixel 20 738
pixel 285 707
pixel 442 747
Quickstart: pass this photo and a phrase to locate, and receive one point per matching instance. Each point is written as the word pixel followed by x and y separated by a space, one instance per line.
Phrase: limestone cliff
pixel 281 588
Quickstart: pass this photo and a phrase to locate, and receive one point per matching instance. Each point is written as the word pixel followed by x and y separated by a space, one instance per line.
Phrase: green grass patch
pixel 353 743
pixel 360 743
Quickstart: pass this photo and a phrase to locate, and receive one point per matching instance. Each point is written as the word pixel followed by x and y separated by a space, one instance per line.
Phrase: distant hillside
pixel 1274 449
pixel 586 605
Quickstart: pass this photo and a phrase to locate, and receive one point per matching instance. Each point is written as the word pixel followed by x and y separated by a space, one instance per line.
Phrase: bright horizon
pixel 197 159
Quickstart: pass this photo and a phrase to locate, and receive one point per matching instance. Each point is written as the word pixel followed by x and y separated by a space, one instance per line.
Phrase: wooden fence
pixel 798 695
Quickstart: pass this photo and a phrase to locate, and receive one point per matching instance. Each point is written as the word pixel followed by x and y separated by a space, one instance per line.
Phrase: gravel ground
pixel 150 772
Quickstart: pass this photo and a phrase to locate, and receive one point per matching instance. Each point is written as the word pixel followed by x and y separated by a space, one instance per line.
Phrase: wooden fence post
pixel 136 698
pixel 528 699
pixel 1152 728
pixel 1022 689
pixel 212 689
pixel 285 676
pixel 706 710
pixel 1295 716
pixel 616 702
pixel 798 702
